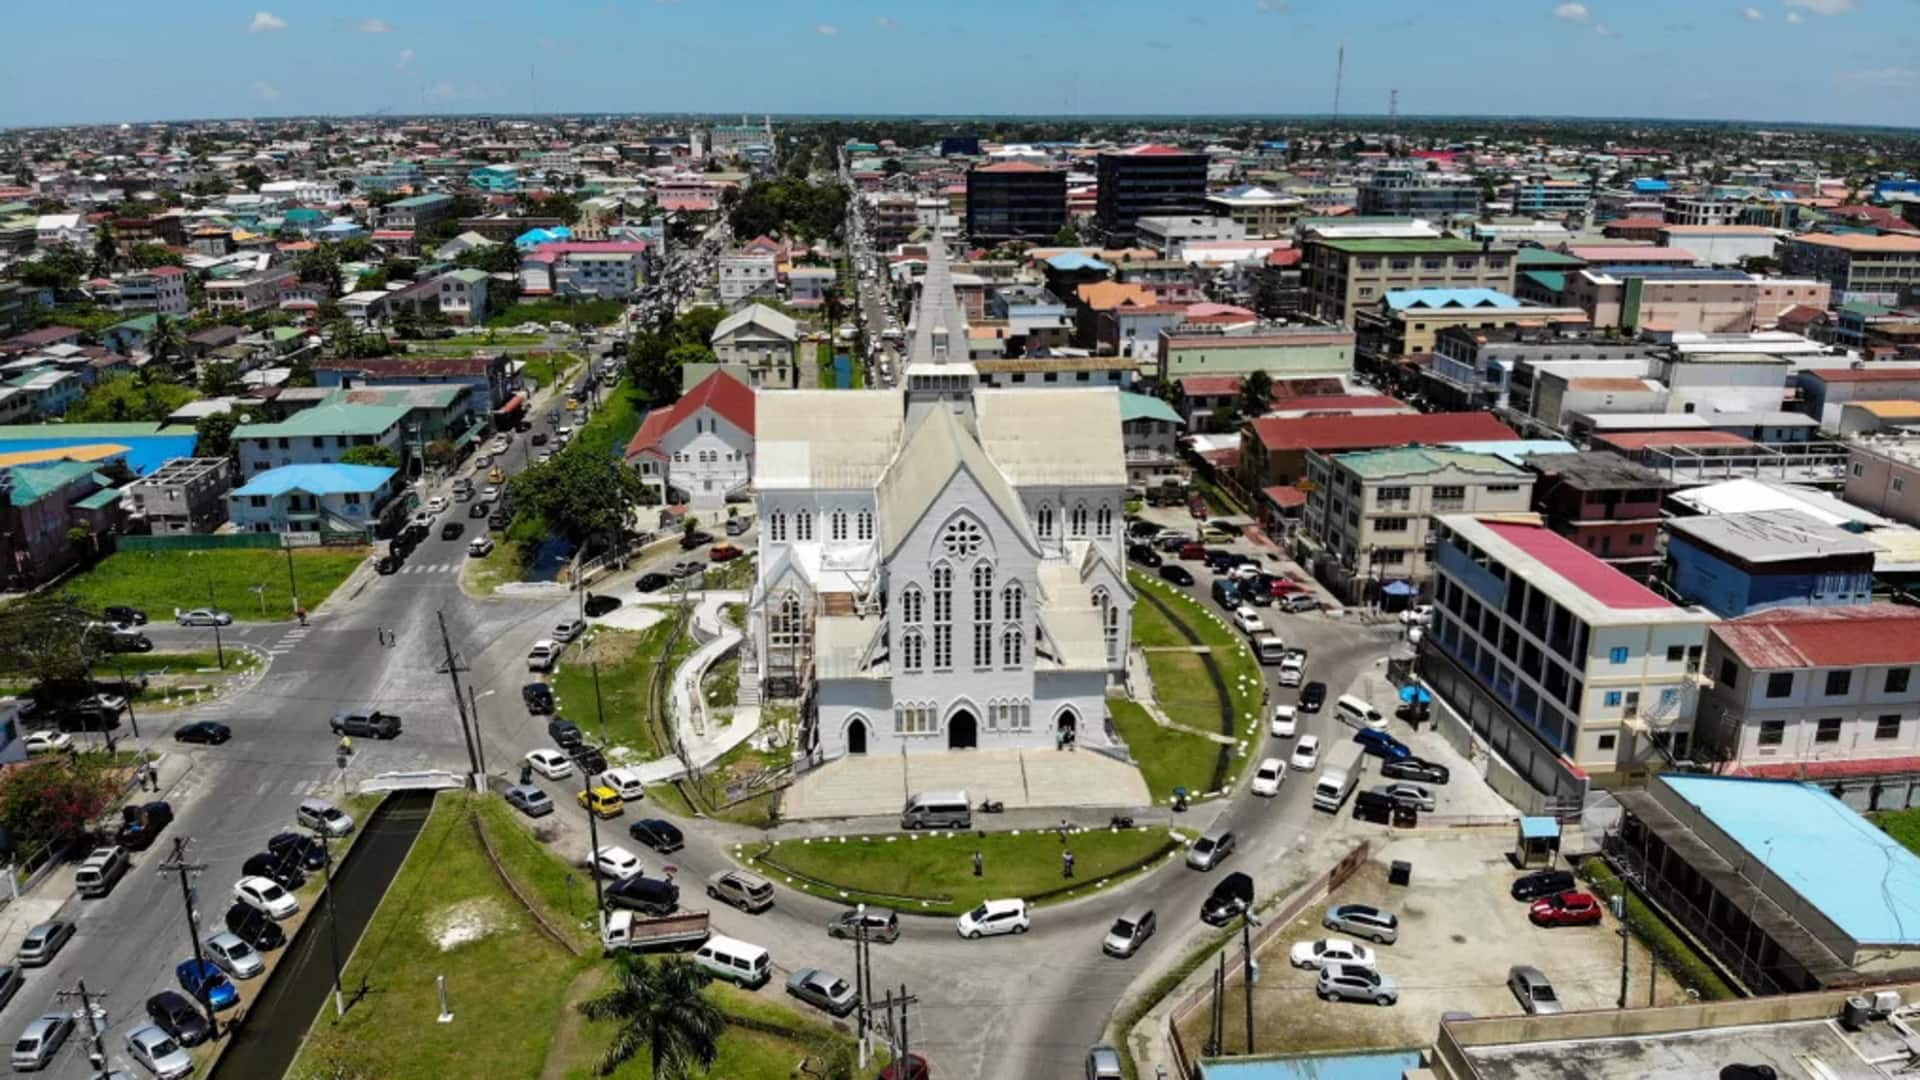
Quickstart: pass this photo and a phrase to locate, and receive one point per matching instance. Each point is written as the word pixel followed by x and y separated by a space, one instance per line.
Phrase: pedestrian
pixel 977 864
pixel 1066 864
pixel 1063 830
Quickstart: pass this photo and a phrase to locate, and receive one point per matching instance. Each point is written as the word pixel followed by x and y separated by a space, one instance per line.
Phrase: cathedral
pixel 941 565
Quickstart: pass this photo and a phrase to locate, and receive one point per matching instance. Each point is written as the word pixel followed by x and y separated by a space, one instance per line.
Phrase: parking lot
pixel 1460 931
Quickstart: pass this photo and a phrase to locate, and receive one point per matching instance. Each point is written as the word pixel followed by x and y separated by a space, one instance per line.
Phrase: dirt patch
pixel 603 649
pixel 467 922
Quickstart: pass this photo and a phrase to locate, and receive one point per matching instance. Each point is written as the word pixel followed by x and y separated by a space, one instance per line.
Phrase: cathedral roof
pixel 939 447
pixel 1061 436
pixel 825 439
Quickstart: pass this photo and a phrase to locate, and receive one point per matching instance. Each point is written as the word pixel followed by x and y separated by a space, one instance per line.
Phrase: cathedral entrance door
pixel 963 731
pixel 857 737
pixel 1067 726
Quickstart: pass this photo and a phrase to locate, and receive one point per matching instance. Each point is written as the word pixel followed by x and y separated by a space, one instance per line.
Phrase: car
pixel 1333 950
pixel 614 861
pixel 565 734
pixel 1176 574
pixel 750 893
pixel 543 655
pixel 1338 982
pixel 280 870
pixel 106 703
pixel 370 724
pixel 538 697
pixel 695 539
pixel 158 1052
pixel 40 1040
pixel 625 782
pixel 723 553
pixel 994 917
pixel 911 1067
pixel 738 526
pixel 491 492
pixel 10 980
pixel 1128 932
pixel 203 617
pixel 322 816
pixel 1268 775
pixel 1248 620
pixel 1417 615
pixel 204 982
pixel 437 505
pixel 598 604
pixel 44 942
pixel 1363 921
pixel 1312 696
pixel 178 1016
pixel 267 896
pixel 1405 794
pixel 254 928
pixel 479 509
pixel 48 742
pixel 662 836
pixel 652 582
pixel 539 438
pixel 387 565
pixel 569 630
pixel 551 764
pixel 882 925
pixel 529 800
pixel 1296 602
pixel 480 547
pixel 647 895
pixel 304 851
pixel 1211 848
pixel 1293 667
pixel 603 802
pixel 1531 988
pixel 125 616
pixel 823 990
pixel 1381 745
pixel 1285 723
pixel 1413 768
pixel 1532 886
pixel 235 957
pixel 1565 909
pixel 452 530
pixel 1144 555
pixel 1103 1063
pixel 1306 754
pixel 590 761
pixel 203 732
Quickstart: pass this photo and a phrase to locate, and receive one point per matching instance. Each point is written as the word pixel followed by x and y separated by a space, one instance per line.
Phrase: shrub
pixel 1681 959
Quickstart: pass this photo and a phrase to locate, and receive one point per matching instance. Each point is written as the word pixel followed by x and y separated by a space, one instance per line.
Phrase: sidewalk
pixel 705 743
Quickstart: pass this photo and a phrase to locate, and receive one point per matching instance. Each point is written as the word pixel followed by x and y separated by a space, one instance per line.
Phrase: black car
pixel 1144 555
pixel 376 724
pixel 1225 526
pixel 478 509
pixel 589 761
pixel 1220 560
pixel 1312 696
pixel 1414 768
pixel 178 1017
pixel 400 547
pixel 1143 529
pixel 204 732
pixel 388 564
pixel 299 849
pixel 565 734
pixel 282 870
pixel 1177 574
pixel 539 438
pixel 1228 899
pixel 452 530
pixel 539 698
pixel 253 927
pixel 653 582
pixel 694 539
pixel 1542 883
pixel 661 836
pixel 126 616
pixel 651 896
pixel 128 641
pixel 598 604
pixel 500 518
pixel 142 823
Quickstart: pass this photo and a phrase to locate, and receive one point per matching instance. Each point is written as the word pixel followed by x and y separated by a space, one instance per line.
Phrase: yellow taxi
pixel 602 801
pixel 496 475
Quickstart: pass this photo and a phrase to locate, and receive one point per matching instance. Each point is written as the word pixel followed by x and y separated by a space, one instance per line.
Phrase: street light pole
pixel 293 587
pixel 333 924
pixel 593 834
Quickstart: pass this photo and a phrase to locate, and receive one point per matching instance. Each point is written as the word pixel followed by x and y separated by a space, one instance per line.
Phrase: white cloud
pixel 1796 18
pixel 266 91
pixel 1886 76
pixel 1823 7
pixel 406 59
pixel 1752 14
pixel 373 26
pixel 1603 29
pixel 1572 12
pixel 886 23
pixel 264 22
pixel 826 30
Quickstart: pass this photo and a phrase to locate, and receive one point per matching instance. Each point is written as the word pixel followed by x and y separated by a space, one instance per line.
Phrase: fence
pixel 198 542
pixel 1276 922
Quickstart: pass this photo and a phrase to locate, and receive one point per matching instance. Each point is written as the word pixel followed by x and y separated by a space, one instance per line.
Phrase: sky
pixel 1823 61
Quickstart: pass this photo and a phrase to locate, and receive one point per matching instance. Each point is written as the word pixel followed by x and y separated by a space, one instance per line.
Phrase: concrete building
pixel 1823 390
pixel 1413 192
pixel 1169 233
pixel 40 503
pixel 1150 434
pixel 1708 382
pixel 1345 275
pixel 1566 668
pixel 1144 181
pixel 416 212
pixel 1721 245
pixel 1496 367
pixel 1259 211
pixel 808 287
pixel 318 436
pixel 1702 210
pixel 491 376
pixel 1369 510
pixel 1604 504
pixel 1282 351
pixel 1883 477
pixel 1552 198
pixel 313 499
pixel 1737 564
pixel 1407 322
pixel 1015 200
pixel 1274 449
pixel 745 275
pixel 245 294
pixel 1687 298
pixel 760 343
pixel 185 495
pixel 161 290
pixel 1858 268
pixel 699 450
pixel 463 296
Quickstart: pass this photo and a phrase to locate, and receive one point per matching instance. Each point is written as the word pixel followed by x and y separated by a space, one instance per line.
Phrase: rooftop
pixel 1864 374
pixel 1596 470
pixel 1435 245
pixel 1418 460
pixel 1575 566
pixel 1640 440
pixel 1402 299
pixel 328 420
pixel 1764 536
pixel 1862 244
pixel 1809 637
pixel 1629 1054
pixel 719 391
pixel 317 480
pixel 1365 432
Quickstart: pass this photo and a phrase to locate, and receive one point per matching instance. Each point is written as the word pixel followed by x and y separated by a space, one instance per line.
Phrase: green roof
pixel 1861 307
pixel 1413 460
pixel 31 483
pixel 1550 280
pixel 418 201
pixel 469 275
pixel 1146 407
pixel 144 324
pixel 100 500
pixel 284 333
pixel 1418 245
pixel 327 420
pixel 1538 258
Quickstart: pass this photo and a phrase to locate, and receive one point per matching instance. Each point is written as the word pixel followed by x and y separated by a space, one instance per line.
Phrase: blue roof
pixel 1402 299
pixel 1647 183
pixel 318 480
pixel 146 451
pixel 1374 1065
pixel 1076 260
pixel 1848 870
pixel 1514 451
pixel 1539 828
pixel 542 236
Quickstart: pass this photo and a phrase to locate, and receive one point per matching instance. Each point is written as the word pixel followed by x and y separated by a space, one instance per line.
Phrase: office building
pixel 1345 275
pixel 1015 200
pixel 1412 192
pixel 1881 270
pixel 1144 181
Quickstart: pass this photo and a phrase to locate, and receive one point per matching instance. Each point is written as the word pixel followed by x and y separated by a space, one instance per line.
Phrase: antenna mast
pixel 1339 73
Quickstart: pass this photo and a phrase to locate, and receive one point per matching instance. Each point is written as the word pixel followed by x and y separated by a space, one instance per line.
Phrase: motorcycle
pixel 1120 821
pixel 992 806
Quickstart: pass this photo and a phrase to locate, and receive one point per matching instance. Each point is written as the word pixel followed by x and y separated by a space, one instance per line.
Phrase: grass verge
pixel 1239 672
pixel 1902 825
pixel 1681 961
pixel 503 565
pixel 160 582
pixel 627 662
pixel 1167 758
pixel 575 313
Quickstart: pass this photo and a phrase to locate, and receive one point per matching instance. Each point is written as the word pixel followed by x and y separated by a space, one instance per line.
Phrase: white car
pixel 1286 722
pixel 498 446
pixel 1313 955
pixel 1417 615
pixel 625 782
pixel 994 917
pixel 490 492
pixel 49 742
pixel 156 1050
pixel 480 547
pixel 542 655
pixel 1306 753
pixel 1267 776
pixel 266 897
pixel 551 764
pixel 1293 669
pixel 437 505
pixel 614 861
pixel 1248 620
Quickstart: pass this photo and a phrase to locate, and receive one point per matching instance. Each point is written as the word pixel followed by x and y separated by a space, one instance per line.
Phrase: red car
pixel 1565 909
pixel 1197 506
pixel 913 1068
pixel 723 552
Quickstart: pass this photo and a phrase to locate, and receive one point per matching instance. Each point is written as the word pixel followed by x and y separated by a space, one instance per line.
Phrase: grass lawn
pixel 937 871
pixel 1902 825
pixel 627 661
pixel 1168 759
pixel 610 428
pixel 160 581
pixel 498 567
pixel 1151 628
pixel 1246 685
pixel 467 343
pixel 734 574
pixel 581 313
pixel 722 684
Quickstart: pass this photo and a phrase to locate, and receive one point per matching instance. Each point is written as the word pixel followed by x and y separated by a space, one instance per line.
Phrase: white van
pixel 937 810
pixel 735 961
pixel 1357 712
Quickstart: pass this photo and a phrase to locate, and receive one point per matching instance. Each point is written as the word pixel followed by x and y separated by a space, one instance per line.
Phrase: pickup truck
pixel 625 930
pixel 1293 667
pixel 375 724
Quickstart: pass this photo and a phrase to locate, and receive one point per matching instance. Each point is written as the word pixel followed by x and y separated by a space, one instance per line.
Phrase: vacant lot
pixel 160 582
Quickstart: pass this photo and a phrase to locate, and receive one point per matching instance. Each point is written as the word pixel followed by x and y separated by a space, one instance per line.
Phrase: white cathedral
pixel 941 565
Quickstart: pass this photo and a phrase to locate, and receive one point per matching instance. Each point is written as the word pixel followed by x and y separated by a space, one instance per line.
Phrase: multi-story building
pixel 1282 351
pixel 1603 503
pixel 745 275
pixel 699 449
pixel 1259 211
pixel 161 290
pixel 759 344
pixel 416 212
pixel 610 270
pixel 1687 298
pixel 1344 275
pixel 1552 198
pixel 1702 210
pixel 184 495
pixel 1408 322
pixel 808 287
pixel 488 375
pixel 318 436
pixel 1883 477
pixel 1567 668
pixel 463 296
pixel 1150 434
pixel 1813 686
pixel 1169 233
pixel 1144 181
pixel 1274 449
pixel 313 499
pixel 1476 368
pixel 1737 564
pixel 1369 510
pixel 892 217
pixel 1721 245
pixel 1866 269
pixel 1015 200
pixel 1412 192
pixel 245 294
pixel 495 179
pixel 43 502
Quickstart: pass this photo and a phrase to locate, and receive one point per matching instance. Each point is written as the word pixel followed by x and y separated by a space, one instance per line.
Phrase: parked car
pixel 204 982
pixel 234 956
pixel 1103 1063
pixel 614 861
pixel 647 895
pixel 529 800
pixel 157 1051
pixel 480 547
pixel 1565 909
pixel 1144 555
pixel 10 980
pixel 1128 932
pixel 823 990
pixel 40 1040
pixel 652 582
pixel 278 869
pixel 266 895
pixel 601 801
pixel 1247 620
pixel 565 734
pixel 1531 988
pixel 1268 775
pixel 48 742
pixel 1339 982
pixel 1285 722
pixel 750 893
pixel 1176 574
pixel 551 764
pixel 1306 754
pixel 625 782
pixel 479 509
pixel 542 656
pixel 662 836
pixel 1313 696
pixel 598 604
pixel 323 817
pixel 1318 954
pixel 1539 883
pixel 203 617
pixel 1296 602
pixel 254 928
pixel 125 616
pixel 1413 768
pixel 723 553
pixel 1381 745
pixel 538 697
pixel 569 630
pixel 1211 848
pixel 1413 795
pixel 737 526
pixel 43 943
pixel 1232 895
pixel 178 1017
pixel 302 850
pixel 694 539
pixel 994 917
pixel 1363 921
pixel 882 925
pixel 452 530
pixel 203 732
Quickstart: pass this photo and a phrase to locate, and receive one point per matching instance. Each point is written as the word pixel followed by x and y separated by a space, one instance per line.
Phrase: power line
pixel 98 1059
pixel 178 864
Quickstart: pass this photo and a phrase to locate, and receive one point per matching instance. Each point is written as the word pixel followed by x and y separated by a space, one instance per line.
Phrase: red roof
pixel 1154 150
pixel 165 271
pixel 1336 404
pixel 1853 636
pixel 1013 167
pixel 1830 770
pixel 1373 432
pixel 719 391
pixel 1284 256
pixel 1285 497
pixel 1636 223
pixel 1640 440
pixel 1205 385
pixel 1577 567
pixel 1865 374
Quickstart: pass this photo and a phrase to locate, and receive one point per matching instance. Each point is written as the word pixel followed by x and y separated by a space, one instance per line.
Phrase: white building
pixel 698 450
pixel 940 566
pixel 54 230
pixel 762 343
pixel 312 498
pixel 295 192
pixel 746 274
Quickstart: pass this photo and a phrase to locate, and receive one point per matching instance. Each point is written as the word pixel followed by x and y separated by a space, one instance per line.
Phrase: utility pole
pixel 906 1045
pixel 1219 991
pixel 98 1059
pixel 452 668
pixel 333 924
pixel 1619 916
pixel 860 985
pixel 293 587
pixel 131 718
pixel 479 744
pixel 1249 970
pixel 599 711
pixel 178 864
pixel 213 612
pixel 593 833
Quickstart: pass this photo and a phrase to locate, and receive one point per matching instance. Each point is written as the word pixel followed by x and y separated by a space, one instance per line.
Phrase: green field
pixel 932 874
pixel 1902 825
pixel 1180 680
pixel 1168 758
pixel 627 662
pixel 161 581
pixel 582 313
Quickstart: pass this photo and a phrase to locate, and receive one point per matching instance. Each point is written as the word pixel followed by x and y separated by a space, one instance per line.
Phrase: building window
pixel 777 527
pixel 1729 673
pixel 1077 521
pixel 1780 684
pixel 1773 732
pixel 1613 699
pixel 1887 727
pixel 1617 654
pixel 864 525
pixel 963 539
pixel 1605 742
pixel 1827 730
pixel 1010 647
pixel 910 651
pixel 982 645
pixel 1390 524
pixel 837 525
pixel 983 593
pixel 1838 682
pixel 1675 653
pixel 1043 522
pixel 1393 494
pixel 943 594
pixel 1010 601
pixel 1897 680
pixel 803 525
pixel 910 604
pixel 1103 521
pixel 1449 493
pixel 942 647
pixel 1899 484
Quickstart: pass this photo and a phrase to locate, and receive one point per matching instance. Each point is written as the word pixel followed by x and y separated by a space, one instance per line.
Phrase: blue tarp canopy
pixel 1415 694
pixel 1401 588
pixel 1539 828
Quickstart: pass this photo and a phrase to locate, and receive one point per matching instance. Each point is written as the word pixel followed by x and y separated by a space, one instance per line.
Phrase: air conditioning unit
pixel 1886 1001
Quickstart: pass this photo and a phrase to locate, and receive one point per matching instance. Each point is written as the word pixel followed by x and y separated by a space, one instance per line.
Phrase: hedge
pixel 1681 959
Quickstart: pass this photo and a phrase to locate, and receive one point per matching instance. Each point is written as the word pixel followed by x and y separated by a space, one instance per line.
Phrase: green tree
pixel 371 455
pixel 492 258
pixel 125 399
pixel 216 434
pixel 148 256
pixel 680 357
pixel 55 801
pixel 650 369
pixel 696 326
pixel 1068 236
pixel 406 324
pixel 1256 394
pixel 660 1008
pixel 582 493
pixel 250 175
pixel 321 265
pixel 219 379
pixel 106 249
pixel 167 341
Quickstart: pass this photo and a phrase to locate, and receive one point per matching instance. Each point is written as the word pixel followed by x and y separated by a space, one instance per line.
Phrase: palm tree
pixel 659 1006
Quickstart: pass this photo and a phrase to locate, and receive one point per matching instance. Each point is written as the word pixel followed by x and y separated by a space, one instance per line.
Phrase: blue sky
pixel 1761 60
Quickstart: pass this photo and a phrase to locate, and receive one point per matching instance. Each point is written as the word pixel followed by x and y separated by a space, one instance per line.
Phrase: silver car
pixel 43 942
pixel 1362 921
pixel 40 1041
pixel 235 957
pixel 1529 984
pixel 823 989
pixel 155 1049
pixel 1413 795
pixel 1337 981
pixel 529 800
